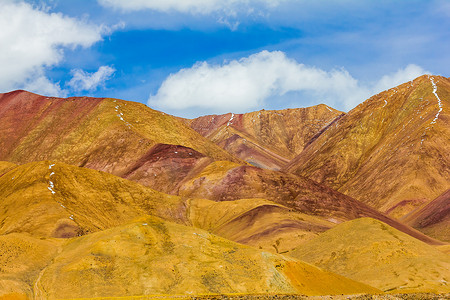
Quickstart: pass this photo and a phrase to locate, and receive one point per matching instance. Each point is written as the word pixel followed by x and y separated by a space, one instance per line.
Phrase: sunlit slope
pixel 152 257
pixel 6 166
pixel 266 138
pixel 391 151
pixel 434 218
pixel 105 134
pixel 372 252
pixel 257 222
pixel 58 200
pixel 22 257
pixel 226 181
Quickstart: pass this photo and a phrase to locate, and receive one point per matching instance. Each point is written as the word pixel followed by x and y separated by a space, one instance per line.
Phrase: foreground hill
pixel 266 138
pixel 69 232
pixel 379 255
pixel 391 151
pixel 154 257
pixel 110 135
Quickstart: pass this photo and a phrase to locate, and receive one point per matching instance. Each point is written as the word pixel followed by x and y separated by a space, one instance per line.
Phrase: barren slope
pixel 379 255
pixel 266 138
pixel 110 135
pixel 391 151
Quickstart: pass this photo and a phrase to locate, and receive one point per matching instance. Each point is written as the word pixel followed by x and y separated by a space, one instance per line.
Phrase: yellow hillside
pixel 22 257
pixel 372 252
pixel 58 200
pixel 151 257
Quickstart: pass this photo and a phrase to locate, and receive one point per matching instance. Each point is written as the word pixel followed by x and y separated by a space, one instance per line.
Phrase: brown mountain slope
pixel 110 135
pixel 377 254
pixel 434 218
pixel 391 151
pixel 266 138
pixel 226 181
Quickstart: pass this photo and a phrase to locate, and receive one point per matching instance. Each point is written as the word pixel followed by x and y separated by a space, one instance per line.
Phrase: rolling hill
pixel 70 232
pixel 379 255
pixel 227 182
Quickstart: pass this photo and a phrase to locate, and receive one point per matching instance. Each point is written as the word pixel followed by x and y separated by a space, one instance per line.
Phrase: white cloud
pixel 33 39
pixel 409 73
pixel 84 81
pixel 248 83
pixel 230 7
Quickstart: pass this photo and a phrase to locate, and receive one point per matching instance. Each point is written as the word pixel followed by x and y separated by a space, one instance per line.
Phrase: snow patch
pixel 120 116
pixel 385 103
pixel 51 166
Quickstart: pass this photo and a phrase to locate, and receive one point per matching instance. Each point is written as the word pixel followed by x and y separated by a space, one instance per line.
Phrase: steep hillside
pixel 226 181
pixel 434 218
pixel 110 135
pixel 379 255
pixel 48 199
pixel 266 138
pixel 154 257
pixel 391 151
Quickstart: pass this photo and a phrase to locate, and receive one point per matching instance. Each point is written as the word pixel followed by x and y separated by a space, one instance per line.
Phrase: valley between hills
pixel 109 199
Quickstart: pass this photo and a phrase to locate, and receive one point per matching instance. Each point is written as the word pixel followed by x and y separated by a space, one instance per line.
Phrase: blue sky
pixel 196 57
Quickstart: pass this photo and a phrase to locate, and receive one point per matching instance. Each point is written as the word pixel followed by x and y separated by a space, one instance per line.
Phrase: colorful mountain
pixel 120 137
pixel 390 152
pixel 266 138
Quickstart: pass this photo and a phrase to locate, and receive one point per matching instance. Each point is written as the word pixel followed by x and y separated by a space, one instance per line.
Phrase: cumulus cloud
pixel 248 83
pixel 32 39
pixel 84 81
pixel 230 7
pixel 409 73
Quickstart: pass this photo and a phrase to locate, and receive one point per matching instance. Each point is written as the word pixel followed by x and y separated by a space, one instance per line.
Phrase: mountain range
pixel 103 197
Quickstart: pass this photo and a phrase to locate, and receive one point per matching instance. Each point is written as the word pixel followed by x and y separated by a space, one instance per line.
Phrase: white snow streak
pixel 439 101
pixel 51 186
pixel 385 103
pixel 230 121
